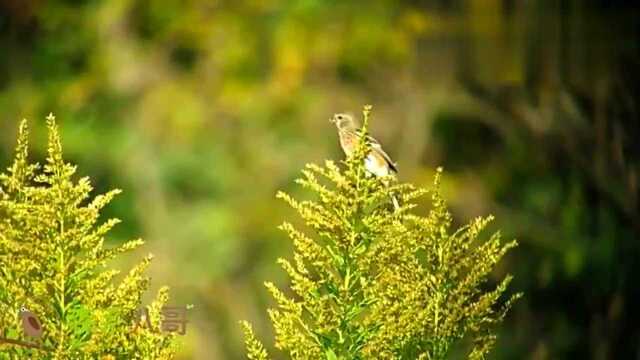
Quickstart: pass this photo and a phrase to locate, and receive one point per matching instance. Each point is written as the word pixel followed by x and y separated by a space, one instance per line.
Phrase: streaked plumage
pixel 377 162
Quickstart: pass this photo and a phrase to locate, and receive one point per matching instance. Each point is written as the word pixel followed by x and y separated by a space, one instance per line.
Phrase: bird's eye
pixel 339 117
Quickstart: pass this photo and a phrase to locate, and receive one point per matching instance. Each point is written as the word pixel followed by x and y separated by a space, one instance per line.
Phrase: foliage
pixel 53 261
pixel 202 109
pixel 377 283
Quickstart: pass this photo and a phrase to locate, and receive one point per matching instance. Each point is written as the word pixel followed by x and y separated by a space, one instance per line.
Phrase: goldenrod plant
pixel 53 262
pixel 373 282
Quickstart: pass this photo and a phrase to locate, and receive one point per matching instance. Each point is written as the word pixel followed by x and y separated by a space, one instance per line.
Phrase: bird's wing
pixel 33 322
pixel 370 139
pixel 377 148
pixel 387 158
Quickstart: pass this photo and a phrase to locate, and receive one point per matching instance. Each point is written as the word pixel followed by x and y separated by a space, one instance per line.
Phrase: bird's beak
pixel 332 120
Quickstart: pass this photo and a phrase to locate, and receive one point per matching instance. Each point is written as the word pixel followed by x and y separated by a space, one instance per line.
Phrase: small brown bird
pixel 377 162
pixel 30 323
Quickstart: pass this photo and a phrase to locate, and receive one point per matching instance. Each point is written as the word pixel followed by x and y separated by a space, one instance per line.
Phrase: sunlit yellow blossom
pixel 52 262
pixel 373 283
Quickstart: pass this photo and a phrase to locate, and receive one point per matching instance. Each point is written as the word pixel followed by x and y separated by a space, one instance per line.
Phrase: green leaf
pixel 331 355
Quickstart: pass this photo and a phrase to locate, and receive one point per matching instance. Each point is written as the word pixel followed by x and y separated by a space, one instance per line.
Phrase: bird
pixel 30 323
pixel 377 162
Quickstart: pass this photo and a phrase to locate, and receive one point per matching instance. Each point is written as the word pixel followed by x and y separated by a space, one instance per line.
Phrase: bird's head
pixel 343 121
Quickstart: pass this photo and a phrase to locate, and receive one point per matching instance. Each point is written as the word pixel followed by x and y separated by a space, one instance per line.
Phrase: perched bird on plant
pixel 377 162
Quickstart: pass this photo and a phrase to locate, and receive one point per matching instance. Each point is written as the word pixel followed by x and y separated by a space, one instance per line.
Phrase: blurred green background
pixel 201 110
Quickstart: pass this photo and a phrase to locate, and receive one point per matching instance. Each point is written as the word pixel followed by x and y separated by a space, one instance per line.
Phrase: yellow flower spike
pixel 372 283
pixel 54 262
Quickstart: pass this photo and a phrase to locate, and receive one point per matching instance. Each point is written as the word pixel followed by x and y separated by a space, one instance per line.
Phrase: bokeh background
pixel 200 110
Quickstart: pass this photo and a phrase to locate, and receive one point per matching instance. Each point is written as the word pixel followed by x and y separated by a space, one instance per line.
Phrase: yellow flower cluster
pixel 377 283
pixel 53 262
